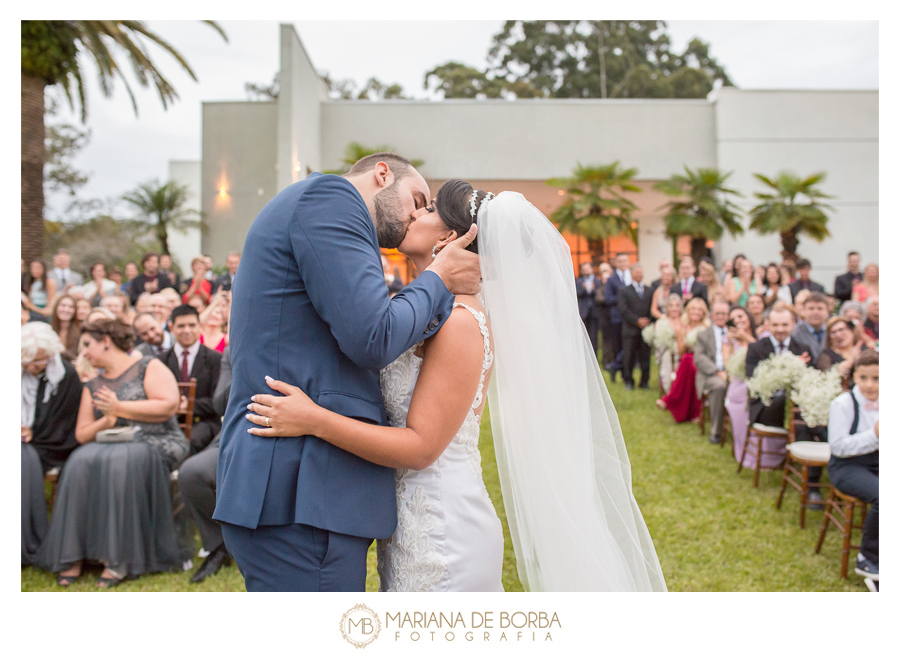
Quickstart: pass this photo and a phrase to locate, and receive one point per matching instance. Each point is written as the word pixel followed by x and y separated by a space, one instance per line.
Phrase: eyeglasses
pixel 39 363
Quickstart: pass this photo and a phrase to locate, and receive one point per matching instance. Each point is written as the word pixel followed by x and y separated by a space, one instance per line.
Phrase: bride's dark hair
pixel 452 203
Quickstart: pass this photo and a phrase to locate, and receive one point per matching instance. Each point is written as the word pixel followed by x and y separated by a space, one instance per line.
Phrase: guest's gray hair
pixel 869 300
pixel 851 305
pixel 38 336
pixel 634 265
pixel 676 298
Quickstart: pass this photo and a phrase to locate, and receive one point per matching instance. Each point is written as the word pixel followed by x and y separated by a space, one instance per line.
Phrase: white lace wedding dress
pixel 448 536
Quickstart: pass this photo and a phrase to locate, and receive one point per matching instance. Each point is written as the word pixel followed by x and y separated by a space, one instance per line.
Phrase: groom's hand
pixel 459 269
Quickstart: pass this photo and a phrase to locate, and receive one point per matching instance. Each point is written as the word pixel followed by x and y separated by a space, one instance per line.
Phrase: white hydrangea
pixel 649 333
pixel 665 335
pixel 736 366
pixel 690 340
pixel 813 393
pixel 777 373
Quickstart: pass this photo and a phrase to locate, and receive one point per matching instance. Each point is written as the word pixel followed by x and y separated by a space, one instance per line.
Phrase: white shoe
pixel 871 584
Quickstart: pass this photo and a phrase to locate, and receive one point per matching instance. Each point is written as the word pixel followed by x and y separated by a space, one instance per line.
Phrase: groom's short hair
pixel 399 165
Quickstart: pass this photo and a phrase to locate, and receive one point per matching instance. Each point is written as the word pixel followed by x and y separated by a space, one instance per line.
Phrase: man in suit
pixel 688 286
pixel 312 309
pixel 225 281
pixel 151 280
pixel 190 359
pixel 843 283
pixel 197 481
pixel 711 377
pixel 620 277
pixel 62 275
pixel 634 307
pixel 811 329
pixel 154 340
pixel 803 282
pixel 585 288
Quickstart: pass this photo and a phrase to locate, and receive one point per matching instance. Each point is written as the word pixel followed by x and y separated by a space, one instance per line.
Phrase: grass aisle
pixel 712 530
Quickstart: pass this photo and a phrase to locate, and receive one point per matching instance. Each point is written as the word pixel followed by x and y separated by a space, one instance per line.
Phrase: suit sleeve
pixel 843 287
pixel 334 243
pixel 203 406
pixel 223 387
pixel 628 313
pixel 702 360
pixel 752 359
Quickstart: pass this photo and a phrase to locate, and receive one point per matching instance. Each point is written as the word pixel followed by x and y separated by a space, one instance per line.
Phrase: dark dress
pixel 113 504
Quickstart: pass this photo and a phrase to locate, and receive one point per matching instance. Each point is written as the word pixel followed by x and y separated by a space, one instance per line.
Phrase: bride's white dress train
pixel 448 536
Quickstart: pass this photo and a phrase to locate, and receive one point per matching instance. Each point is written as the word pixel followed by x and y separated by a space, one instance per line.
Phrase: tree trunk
pixel 33 157
pixel 789 244
pixel 602 50
pixel 162 235
pixel 598 251
pixel 698 249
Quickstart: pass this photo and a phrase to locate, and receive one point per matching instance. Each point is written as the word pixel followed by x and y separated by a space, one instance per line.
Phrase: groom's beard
pixel 389 225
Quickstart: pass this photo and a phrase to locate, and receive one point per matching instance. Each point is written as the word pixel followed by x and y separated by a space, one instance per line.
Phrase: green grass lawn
pixel 712 530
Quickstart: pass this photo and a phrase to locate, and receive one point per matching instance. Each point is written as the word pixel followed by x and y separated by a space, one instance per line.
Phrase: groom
pixel 310 307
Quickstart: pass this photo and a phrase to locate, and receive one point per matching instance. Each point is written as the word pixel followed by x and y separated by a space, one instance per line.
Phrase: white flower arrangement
pixel 736 366
pixel 814 391
pixel 690 340
pixel 665 335
pixel 777 373
pixel 649 333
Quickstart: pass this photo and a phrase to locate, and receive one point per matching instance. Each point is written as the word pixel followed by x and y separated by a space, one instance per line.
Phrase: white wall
pixel 184 245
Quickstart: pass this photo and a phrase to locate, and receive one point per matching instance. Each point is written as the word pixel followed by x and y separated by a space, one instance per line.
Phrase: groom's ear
pixel 382 174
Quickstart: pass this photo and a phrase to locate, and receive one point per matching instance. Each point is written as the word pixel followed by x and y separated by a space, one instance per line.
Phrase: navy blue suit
pixel 310 308
pixel 611 293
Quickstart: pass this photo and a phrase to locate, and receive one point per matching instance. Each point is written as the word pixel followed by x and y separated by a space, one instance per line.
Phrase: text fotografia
pixel 478 626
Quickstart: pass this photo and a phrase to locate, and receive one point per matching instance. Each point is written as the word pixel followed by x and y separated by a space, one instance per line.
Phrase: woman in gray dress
pixel 113 504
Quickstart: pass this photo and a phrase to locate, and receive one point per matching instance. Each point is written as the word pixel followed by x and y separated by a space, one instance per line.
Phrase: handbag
pixel 125 434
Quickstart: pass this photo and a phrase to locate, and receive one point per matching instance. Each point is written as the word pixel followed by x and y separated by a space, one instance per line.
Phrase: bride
pixel 564 470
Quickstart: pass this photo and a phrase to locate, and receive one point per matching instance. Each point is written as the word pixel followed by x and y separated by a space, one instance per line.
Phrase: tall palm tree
pixel 50 56
pixel 702 209
pixel 793 208
pixel 596 208
pixel 163 206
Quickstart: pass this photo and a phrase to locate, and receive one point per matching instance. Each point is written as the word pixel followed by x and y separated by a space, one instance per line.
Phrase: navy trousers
pixel 297 558
pixel 858 477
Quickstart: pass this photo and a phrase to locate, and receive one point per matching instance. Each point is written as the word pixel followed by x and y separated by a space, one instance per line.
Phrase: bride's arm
pixel 445 389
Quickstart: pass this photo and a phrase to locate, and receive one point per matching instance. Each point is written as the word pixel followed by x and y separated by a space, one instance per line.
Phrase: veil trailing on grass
pixel 564 471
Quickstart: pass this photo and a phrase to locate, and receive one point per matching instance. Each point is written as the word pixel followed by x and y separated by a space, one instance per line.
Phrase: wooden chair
pixel 188 390
pixel 761 432
pixel 805 454
pixel 840 509
pixel 704 414
pixel 52 476
pixel 726 430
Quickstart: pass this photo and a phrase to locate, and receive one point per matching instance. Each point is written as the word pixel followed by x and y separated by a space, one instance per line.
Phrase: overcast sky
pixel 125 150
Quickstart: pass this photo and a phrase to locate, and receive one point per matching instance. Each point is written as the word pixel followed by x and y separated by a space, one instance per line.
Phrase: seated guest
pixel 151 334
pixel 856 313
pixel 99 286
pixel 189 359
pixel 634 307
pixel 741 332
pixel 811 330
pixel 51 392
pixel 159 307
pixel 803 282
pixel 756 305
pixel 667 354
pixel 799 302
pixel 198 284
pixel 233 260
pixel 869 284
pixel 142 305
pixel 113 504
pixel 853 438
pixel 872 315
pixel 774 287
pixel 682 399
pixel 214 322
pixel 152 280
pixel 709 278
pixel 165 267
pixel 842 347
pixel 66 325
pixel 662 290
pixel 739 288
pixel 82 309
pixel 689 287
pixel 727 271
pixel 173 299
pixel 843 283
pixel 114 304
pixel 131 273
pixel 40 288
pixel 197 481
pixel 711 377
pixel 788 272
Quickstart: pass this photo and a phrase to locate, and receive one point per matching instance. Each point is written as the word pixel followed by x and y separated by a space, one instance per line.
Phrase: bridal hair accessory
pixel 472 199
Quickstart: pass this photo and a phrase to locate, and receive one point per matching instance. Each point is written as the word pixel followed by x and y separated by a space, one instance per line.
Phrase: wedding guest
pixel 714 290
pixel 853 437
pixel 872 315
pixel 620 278
pixel 739 288
pixel 118 490
pixel 799 303
pixel 663 291
pixel 844 283
pixel 727 271
pixel 803 282
pixel 856 313
pixel 868 287
pixel 762 330
pixel 142 305
pixel 40 288
pixel 153 338
pixel 774 288
pixel 711 378
pixel 197 302
pixel 62 275
pixel 115 304
pixel 208 261
pixel 199 284
pixel 51 392
pixel 115 275
pixel 159 307
pixel 26 314
pixel 811 330
pixel 66 325
pixel 634 307
pixel 151 280
pixel 213 323
pixel 842 347
pixel 788 272
pixel 604 313
pixel 173 299
pixel 667 353
pixel 190 359
pixel 682 399
pixel 131 272
pixel 663 264
pixel 760 273
pixel 585 287
pixel 99 286
pixel 736 267
pixel 165 267
pixel 756 306
pixel 738 337
pixel 233 260
pixel 689 287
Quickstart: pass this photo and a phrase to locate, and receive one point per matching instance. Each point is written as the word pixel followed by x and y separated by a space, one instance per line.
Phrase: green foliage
pixel 264 92
pixel 356 151
pixel 792 207
pixel 62 143
pixel 164 207
pixel 456 80
pixel 101 238
pixel 375 90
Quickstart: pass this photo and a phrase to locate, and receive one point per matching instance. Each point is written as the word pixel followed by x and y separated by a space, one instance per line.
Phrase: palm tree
pixel 50 56
pixel 702 209
pixel 163 205
pixel 781 211
pixel 596 208
pixel 355 152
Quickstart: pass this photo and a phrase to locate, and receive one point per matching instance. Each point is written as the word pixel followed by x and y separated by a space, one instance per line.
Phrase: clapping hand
pixel 26 434
pixel 106 401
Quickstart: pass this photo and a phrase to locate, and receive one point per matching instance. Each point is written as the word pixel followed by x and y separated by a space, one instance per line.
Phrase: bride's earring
pixel 434 251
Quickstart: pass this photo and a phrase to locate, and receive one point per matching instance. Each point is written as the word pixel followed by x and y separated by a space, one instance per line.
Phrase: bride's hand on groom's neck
pixel 459 269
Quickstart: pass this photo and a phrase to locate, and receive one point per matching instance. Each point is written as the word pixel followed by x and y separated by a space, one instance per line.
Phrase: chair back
pixel 186 419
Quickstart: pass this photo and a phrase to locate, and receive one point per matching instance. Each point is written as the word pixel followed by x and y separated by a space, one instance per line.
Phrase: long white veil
pixel 564 471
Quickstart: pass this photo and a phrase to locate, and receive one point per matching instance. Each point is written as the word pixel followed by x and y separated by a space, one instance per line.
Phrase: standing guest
pixel 689 287
pixel 662 292
pixel 233 260
pixel 40 288
pixel 99 286
pixel 711 378
pixel 82 309
pixel 51 392
pixel 666 354
pixel 63 277
pixel 738 337
pixel 682 399
pixel 159 307
pixel 872 315
pixel 788 271
pixel 634 307
pixel 760 273
pixel 844 283
pixel 197 302
pixel 663 264
pixel 869 284
pixel 153 338
pixel 756 306
pixel 151 280
pixel 120 491
pixel 842 347
pixel 774 288
pixel 165 267
pixel 394 282
pixel 799 302
pixel 853 437
pixel 585 289
pixel 208 261
pixel 604 313
pixel 727 271
pixel 739 288
pixel 803 282
pixel 190 359
pixel 66 325
pixel 199 284
pixel 707 276
pixel 115 304
pixel 131 273
pixel 811 330
pixel 620 278
pixel 173 299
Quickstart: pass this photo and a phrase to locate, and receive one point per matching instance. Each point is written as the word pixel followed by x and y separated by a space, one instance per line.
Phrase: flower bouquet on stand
pixel 777 373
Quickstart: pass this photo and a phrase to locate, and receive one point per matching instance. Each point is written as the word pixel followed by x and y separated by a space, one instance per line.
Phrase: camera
pixel 730 324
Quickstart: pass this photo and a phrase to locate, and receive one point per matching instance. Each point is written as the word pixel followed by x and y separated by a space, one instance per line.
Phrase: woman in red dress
pixel 682 400
pixel 199 285
pixel 214 322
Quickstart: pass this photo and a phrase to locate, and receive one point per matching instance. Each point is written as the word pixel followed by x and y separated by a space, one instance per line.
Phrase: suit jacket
pixel 802 333
pixel 586 305
pixel 206 370
pixel 74 279
pixel 53 429
pixel 220 397
pixel 813 287
pixel 137 285
pixel 633 307
pixel 221 281
pixel 698 289
pixel 843 285
pixel 705 358
pixel 311 308
pixel 611 293
pixel 760 351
